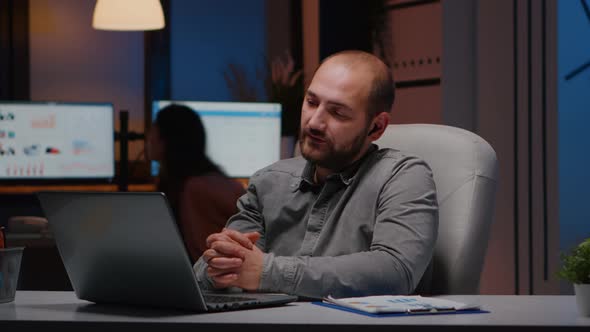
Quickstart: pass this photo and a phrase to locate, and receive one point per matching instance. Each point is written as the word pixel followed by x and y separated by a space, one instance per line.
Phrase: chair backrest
pixel 465 173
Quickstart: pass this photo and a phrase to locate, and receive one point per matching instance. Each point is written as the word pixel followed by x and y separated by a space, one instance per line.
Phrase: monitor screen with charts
pixel 47 140
pixel 241 137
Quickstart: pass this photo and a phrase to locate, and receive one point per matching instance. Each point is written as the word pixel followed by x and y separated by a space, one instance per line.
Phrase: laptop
pixel 125 248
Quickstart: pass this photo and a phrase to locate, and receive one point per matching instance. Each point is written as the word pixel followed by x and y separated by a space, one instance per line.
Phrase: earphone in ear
pixel 375 128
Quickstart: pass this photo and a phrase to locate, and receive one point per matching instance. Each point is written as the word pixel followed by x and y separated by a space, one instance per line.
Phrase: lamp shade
pixel 128 15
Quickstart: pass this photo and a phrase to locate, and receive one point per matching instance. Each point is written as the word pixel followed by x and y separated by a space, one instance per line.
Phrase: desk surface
pixel 36 309
pixel 29 189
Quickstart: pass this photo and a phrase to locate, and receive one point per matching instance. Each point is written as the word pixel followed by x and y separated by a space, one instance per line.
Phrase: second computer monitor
pixel 241 137
pixel 56 141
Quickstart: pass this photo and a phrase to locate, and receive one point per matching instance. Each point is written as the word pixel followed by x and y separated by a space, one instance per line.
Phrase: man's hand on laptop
pixel 233 259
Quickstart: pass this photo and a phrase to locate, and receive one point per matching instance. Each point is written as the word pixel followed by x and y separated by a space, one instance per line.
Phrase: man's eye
pixel 312 102
pixel 338 112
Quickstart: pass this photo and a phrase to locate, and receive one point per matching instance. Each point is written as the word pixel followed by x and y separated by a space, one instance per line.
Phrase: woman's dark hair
pixel 183 135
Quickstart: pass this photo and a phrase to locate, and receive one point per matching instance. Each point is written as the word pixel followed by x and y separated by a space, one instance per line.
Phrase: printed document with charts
pixel 413 304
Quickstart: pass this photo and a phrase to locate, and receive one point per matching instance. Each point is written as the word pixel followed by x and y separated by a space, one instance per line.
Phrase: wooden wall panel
pixel 416 40
pixel 417 105
pixel 413 48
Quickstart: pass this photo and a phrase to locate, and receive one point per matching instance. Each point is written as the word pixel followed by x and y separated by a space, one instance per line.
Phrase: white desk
pixel 62 311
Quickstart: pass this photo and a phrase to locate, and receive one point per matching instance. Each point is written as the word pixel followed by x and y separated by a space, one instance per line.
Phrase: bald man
pixel 346 218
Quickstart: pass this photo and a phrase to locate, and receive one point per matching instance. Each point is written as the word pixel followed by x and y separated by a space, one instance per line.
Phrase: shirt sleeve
pixel 401 248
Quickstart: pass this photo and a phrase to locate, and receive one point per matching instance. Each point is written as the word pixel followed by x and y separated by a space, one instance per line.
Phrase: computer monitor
pixel 241 137
pixel 55 141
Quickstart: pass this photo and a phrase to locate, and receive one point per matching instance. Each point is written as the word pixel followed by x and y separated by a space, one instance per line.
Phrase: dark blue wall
pixel 205 37
pixel 574 124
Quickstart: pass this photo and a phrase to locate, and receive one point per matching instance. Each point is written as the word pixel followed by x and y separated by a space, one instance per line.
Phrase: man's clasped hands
pixel 233 259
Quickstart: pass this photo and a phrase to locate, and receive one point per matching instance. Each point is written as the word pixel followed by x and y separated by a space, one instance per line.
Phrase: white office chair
pixel 465 172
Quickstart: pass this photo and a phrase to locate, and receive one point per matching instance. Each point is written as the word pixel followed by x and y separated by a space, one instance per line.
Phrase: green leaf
pixel 576 264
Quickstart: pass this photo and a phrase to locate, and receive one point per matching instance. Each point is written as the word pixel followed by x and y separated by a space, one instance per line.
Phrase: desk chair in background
pixel 465 172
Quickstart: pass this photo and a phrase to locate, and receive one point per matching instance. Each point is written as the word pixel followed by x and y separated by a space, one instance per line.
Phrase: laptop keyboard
pixel 215 299
pixel 220 303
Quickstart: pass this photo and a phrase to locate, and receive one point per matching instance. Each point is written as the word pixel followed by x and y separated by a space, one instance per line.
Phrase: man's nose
pixel 318 119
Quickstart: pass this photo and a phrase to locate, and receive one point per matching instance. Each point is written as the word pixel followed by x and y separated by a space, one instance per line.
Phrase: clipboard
pixel 399 305
pixel 401 314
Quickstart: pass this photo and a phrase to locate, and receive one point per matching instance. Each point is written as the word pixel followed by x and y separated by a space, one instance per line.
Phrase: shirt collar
pixel 346 176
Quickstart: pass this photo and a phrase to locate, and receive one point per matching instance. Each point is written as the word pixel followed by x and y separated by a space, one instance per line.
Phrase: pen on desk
pixel 430 310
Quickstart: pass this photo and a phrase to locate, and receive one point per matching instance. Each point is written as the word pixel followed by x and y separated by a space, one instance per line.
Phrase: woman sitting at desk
pixel 202 197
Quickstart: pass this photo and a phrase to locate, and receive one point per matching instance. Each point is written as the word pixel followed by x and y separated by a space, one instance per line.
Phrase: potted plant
pixel 576 269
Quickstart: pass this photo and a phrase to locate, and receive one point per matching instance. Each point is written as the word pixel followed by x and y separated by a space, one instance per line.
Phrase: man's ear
pixel 380 123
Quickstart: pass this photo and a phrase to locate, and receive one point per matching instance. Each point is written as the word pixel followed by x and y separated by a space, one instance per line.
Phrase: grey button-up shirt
pixel 368 230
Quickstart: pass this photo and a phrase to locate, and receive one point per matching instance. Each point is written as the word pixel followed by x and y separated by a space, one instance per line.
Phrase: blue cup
pixel 10 259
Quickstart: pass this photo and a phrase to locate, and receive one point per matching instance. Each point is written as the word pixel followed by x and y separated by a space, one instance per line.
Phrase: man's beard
pixel 331 158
